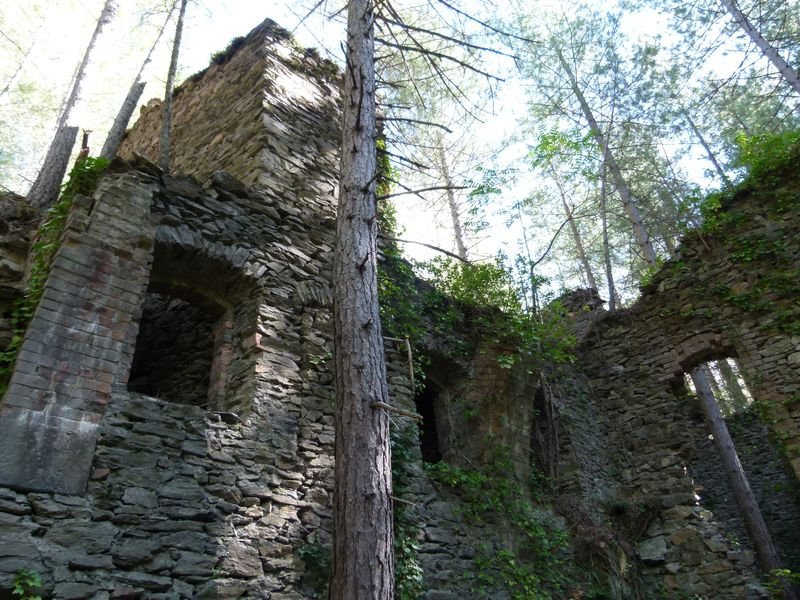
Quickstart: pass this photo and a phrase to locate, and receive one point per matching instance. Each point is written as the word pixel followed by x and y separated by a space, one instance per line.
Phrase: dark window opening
pixel 428 434
pixel 544 445
pixel 174 350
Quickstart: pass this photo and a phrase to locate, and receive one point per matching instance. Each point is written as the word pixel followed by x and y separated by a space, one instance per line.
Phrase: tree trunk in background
pixel 628 202
pixel 44 191
pixel 363 566
pixel 125 113
pixel 707 148
pixel 732 386
pixel 576 235
pixel 737 480
pixel 458 231
pixel 612 293
pixel 166 121
pixel 715 389
pixel 788 73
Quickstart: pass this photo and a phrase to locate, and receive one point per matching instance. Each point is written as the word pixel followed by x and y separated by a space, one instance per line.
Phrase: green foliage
pixel 763 157
pixel 223 56
pixel 763 154
pixel 25 584
pixel 778 578
pixel 407 570
pixel 539 566
pixel 82 180
pixel 317 559
pixel 489 293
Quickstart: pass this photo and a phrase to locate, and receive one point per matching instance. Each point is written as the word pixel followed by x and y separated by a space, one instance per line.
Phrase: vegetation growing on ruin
pixel 81 180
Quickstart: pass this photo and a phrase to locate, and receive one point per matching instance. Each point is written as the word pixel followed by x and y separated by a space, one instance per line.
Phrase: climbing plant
pixel 82 180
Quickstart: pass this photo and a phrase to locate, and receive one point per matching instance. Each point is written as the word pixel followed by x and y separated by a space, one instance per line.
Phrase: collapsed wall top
pixel 265 110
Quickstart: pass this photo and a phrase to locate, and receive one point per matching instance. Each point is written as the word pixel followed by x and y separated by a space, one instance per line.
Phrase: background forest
pixel 571 142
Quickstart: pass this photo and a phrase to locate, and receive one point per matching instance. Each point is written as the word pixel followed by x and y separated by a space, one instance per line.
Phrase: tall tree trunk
pixel 628 202
pixel 612 293
pixel 788 73
pixel 576 234
pixel 732 386
pixel 709 153
pixel 737 480
pixel 363 566
pixel 125 113
pixel 458 231
pixel 44 191
pixel 166 121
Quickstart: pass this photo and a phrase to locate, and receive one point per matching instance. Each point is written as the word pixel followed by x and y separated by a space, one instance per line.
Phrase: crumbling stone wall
pixel 728 292
pixel 770 478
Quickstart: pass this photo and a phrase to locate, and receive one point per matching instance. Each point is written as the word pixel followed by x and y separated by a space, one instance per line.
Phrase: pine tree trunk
pixel 458 231
pixel 628 203
pixel 166 122
pixel 363 566
pixel 709 153
pixel 737 480
pixel 612 293
pixel 788 73
pixel 117 132
pixel 576 235
pixel 44 191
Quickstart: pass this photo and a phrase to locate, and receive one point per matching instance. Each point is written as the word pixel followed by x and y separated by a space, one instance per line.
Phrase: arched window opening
pixel 739 472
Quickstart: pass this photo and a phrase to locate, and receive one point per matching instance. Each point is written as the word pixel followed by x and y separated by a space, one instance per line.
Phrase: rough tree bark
pixel 117 132
pixel 628 202
pixel 788 73
pixel 612 292
pixel 44 191
pixel 458 231
pixel 737 480
pixel 363 531
pixel 166 121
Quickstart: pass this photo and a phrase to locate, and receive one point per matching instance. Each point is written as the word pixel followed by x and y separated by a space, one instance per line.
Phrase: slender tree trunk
pixel 458 231
pixel 25 54
pixel 612 293
pixel 788 73
pixel 576 235
pixel 628 202
pixel 125 113
pixel 363 566
pixel 737 480
pixel 732 386
pixel 709 153
pixel 166 122
pixel 44 191
pixel 715 389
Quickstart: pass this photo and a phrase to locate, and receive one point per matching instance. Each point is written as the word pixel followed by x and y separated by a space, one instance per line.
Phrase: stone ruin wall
pixel 215 498
pixel 129 495
pixel 732 293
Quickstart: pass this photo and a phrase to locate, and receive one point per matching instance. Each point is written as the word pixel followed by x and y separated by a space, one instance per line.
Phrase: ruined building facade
pixel 168 428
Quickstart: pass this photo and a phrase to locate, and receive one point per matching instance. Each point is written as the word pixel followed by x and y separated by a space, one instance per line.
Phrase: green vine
pixel 407 570
pixel 538 566
pixel 25 584
pixel 82 180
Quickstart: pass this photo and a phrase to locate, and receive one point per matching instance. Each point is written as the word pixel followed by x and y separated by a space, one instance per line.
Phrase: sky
pixel 55 33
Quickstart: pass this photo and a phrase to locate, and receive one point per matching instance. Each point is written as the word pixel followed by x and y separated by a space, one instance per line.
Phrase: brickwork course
pixel 168 429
